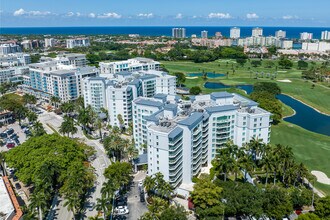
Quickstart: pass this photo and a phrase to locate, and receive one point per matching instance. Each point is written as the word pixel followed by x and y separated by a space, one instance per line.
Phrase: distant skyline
pixel 22 13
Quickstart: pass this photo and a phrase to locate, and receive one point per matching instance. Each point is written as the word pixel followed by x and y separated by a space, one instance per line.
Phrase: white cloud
pixel 289 17
pixel 109 15
pixel 179 16
pixel 70 14
pixel 91 15
pixel 252 16
pixel 219 15
pixel 21 12
pixel 146 15
pixel 78 14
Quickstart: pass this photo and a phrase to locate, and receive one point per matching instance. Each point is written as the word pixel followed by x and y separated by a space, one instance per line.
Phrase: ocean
pixel 292 32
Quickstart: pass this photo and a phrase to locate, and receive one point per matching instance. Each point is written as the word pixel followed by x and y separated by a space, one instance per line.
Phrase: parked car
pixel 9 131
pixel 3 135
pixel 121 201
pixel 142 199
pixel 13 136
pixel 10 144
pixel 121 210
pixel 15 178
pixel 17 141
pixel 18 186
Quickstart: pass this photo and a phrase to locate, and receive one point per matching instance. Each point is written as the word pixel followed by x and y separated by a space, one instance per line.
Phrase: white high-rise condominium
pixel 178 32
pixel 257 32
pixel 49 42
pixel 52 79
pixel 135 64
pixel 306 36
pixel 280 34
pixel 235 32
pixel 9 48
pixel 77 42
pixel 325 35
pixel 204 34
pixel 116 92
pixel 183 136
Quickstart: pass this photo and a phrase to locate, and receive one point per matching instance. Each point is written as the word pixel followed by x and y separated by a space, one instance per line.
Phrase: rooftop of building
pixel 148 102
pixel 6 205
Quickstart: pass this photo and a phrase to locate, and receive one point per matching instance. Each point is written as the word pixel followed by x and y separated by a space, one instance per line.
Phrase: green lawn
pixel 310 148
pixel 318 97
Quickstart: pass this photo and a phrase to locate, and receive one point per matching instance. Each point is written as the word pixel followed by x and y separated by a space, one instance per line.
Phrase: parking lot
pixel 21 136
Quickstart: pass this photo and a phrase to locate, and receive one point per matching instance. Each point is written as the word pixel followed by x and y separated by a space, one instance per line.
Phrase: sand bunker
pixel 284 80
pixel 321 177
pixel 282 71
pixel 192 77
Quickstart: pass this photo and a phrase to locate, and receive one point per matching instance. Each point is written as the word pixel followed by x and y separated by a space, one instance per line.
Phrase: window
pixel 255 120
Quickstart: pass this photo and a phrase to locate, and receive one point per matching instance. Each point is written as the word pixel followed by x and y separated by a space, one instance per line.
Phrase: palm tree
pixel 38 129
pixel 268 164
pixel 246 163
pixel 72 203
pixel 67 107
pixel 99 126
pixel 55 100
pixel 32 117
pixel 149 184
pixel 287 159
pixel 106 112
pixel 20 112
pixel 224 160
pixel 131 152
pixel 67 126
pixel 37 200
pixel 103 204
pixel 157 206
pixel 108 189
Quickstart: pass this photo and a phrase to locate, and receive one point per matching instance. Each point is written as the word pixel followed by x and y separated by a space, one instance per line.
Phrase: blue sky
pixel 27 13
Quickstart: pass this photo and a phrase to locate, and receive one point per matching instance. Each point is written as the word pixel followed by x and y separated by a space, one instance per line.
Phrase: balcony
pixel 172 168
pixel 173 174
pixel 175 153
pixel 174 161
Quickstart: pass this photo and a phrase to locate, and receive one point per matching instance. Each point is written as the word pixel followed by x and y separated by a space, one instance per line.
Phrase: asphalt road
pixel 134 205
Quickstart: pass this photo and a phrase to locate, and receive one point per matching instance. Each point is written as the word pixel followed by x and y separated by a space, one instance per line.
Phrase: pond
pixel 215 85
pixel 209 75
pixel 305 117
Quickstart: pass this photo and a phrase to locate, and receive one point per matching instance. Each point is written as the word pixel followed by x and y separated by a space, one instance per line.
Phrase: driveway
pixel 136 208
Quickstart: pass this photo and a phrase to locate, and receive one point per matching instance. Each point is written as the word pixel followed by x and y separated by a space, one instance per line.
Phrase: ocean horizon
pixel 292 32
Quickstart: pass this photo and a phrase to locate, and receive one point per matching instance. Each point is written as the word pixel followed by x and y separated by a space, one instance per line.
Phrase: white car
pixel 140 185
pixel 121 210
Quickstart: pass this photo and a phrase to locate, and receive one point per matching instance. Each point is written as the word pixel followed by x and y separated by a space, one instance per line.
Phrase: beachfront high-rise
pixel 180 137
pixel 325 35
pixel 178 32
pixel 235 32
pixel 306 36
pixel 204 34
pixel 257 32
pixel 280 34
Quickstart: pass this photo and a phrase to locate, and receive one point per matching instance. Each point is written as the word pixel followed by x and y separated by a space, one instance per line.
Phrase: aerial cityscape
pixel 165 110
